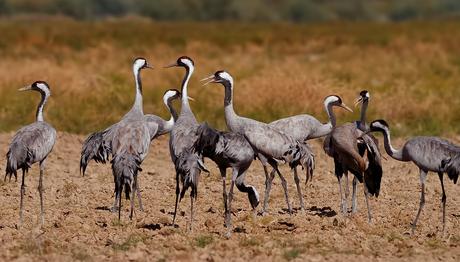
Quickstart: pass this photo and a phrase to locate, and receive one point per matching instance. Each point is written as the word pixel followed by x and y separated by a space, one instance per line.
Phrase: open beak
pixel 171 65
pixel 358 100
pixel 25 88
pixel 346 107
pixel 209 79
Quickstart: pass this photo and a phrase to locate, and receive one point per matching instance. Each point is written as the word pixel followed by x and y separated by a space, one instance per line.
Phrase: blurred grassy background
pixel 412 70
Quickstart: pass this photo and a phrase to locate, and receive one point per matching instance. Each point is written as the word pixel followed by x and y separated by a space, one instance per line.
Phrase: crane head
pixel 183 61
pixel 335 100
pixel 141 63
pixel 40 86
pixel 220 76
pixel 364 96
pixel 379 125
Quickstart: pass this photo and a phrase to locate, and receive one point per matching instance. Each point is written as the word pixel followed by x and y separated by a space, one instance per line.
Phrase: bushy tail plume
pixel 189 166
pixel 17 157
pixel 94 148
pixel 452 167
pixel 125 167
pixel 208 137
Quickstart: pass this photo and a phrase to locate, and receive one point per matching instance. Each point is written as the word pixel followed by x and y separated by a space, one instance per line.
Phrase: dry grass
pixel 411 69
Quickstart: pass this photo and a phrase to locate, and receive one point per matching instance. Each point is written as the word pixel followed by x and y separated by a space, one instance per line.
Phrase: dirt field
pixel 79 226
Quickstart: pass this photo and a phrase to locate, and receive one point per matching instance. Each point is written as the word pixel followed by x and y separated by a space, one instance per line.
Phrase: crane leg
pixel 138 192
pixel 120 191
pixel 354 202
pixel 131 198
pixel 366 197
pixel 343 204
pixel 177 199
pixel 268 185
pixel 21 203
pixel 284 184
pixel 191 211
pixel 422 199
pixel 230 199
pixel 299 190
pixel 224 195
pixel 40 191
pixel 443 200
pixel 347 189
pixel 115 203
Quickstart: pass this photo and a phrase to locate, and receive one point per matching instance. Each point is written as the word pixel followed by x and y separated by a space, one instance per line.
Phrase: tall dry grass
pixel 411 69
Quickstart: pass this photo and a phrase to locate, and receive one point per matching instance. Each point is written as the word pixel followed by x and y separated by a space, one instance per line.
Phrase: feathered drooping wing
pixel 374 171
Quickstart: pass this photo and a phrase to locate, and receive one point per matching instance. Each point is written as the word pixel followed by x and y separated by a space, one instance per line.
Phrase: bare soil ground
pixel 79 226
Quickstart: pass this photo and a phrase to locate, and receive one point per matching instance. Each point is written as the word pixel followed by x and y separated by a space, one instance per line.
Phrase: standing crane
pixel 188 163
pixel 98 145
pixel 428 154
pixel 228 150
pixel 305 127
pixel 31 144
pixel 269 144
pixel 346 144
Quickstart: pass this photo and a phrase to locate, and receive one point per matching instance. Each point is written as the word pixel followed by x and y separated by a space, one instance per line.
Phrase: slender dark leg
pixel 224 195
pixel 40 191
pixel 268 185
pixel 422 199
pixel 177 199
pixel 284 184
pixel 354 203
pixel 443 200
pixel 21 203
pixel 120 191
pixel 115 207
pixel 366 196
pixel 347 188
pixel 191 212
pixel 343 204
pixel 299 190
pixel 230 199
pixel 131 199
pixel 141 207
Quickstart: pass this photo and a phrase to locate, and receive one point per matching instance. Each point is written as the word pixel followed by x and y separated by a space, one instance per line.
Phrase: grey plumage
pixel 228 150
pixel 99 146
pixel 32 144
pixel 269 144
pixel 428 154
pixel 188 164
pixel 347 145
pixel 165 126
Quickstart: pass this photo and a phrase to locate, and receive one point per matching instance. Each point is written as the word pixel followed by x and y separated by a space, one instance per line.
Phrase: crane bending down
pixel 269 144
pixel 187 162
pixel 98 145
pixel 31 144
pixel 305 127
pixel 164 127
pixel 346 144
pixel 428 154
pixel 228 150
pixel 302 128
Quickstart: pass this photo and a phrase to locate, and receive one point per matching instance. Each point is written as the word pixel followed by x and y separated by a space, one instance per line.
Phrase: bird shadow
pixel 104 208
pixel 322 211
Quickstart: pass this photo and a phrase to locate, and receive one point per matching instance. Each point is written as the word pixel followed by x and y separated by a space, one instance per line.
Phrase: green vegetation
pixel 412 70
pixel 203 240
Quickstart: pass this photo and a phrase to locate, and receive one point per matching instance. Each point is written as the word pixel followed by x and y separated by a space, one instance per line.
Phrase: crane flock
pixel 126 144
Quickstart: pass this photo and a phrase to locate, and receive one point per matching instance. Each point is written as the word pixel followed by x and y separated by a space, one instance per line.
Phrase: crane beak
pixel 148 66
pixel 209 79
pixel 25 88
pixel 346 107
pixel 358 100
pixel 190 98
pixel 171 65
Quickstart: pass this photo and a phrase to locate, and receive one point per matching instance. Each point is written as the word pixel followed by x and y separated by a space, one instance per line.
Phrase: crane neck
pixel 41 105
pixel 184 89
pixel 228 102
pixel 138 100
pixel 362 122
pixel 394 153
pixel 331 115
pixel 168 103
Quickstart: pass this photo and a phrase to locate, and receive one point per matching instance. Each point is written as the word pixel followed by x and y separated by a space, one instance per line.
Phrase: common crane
pixel 31 144
pixel 428 154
